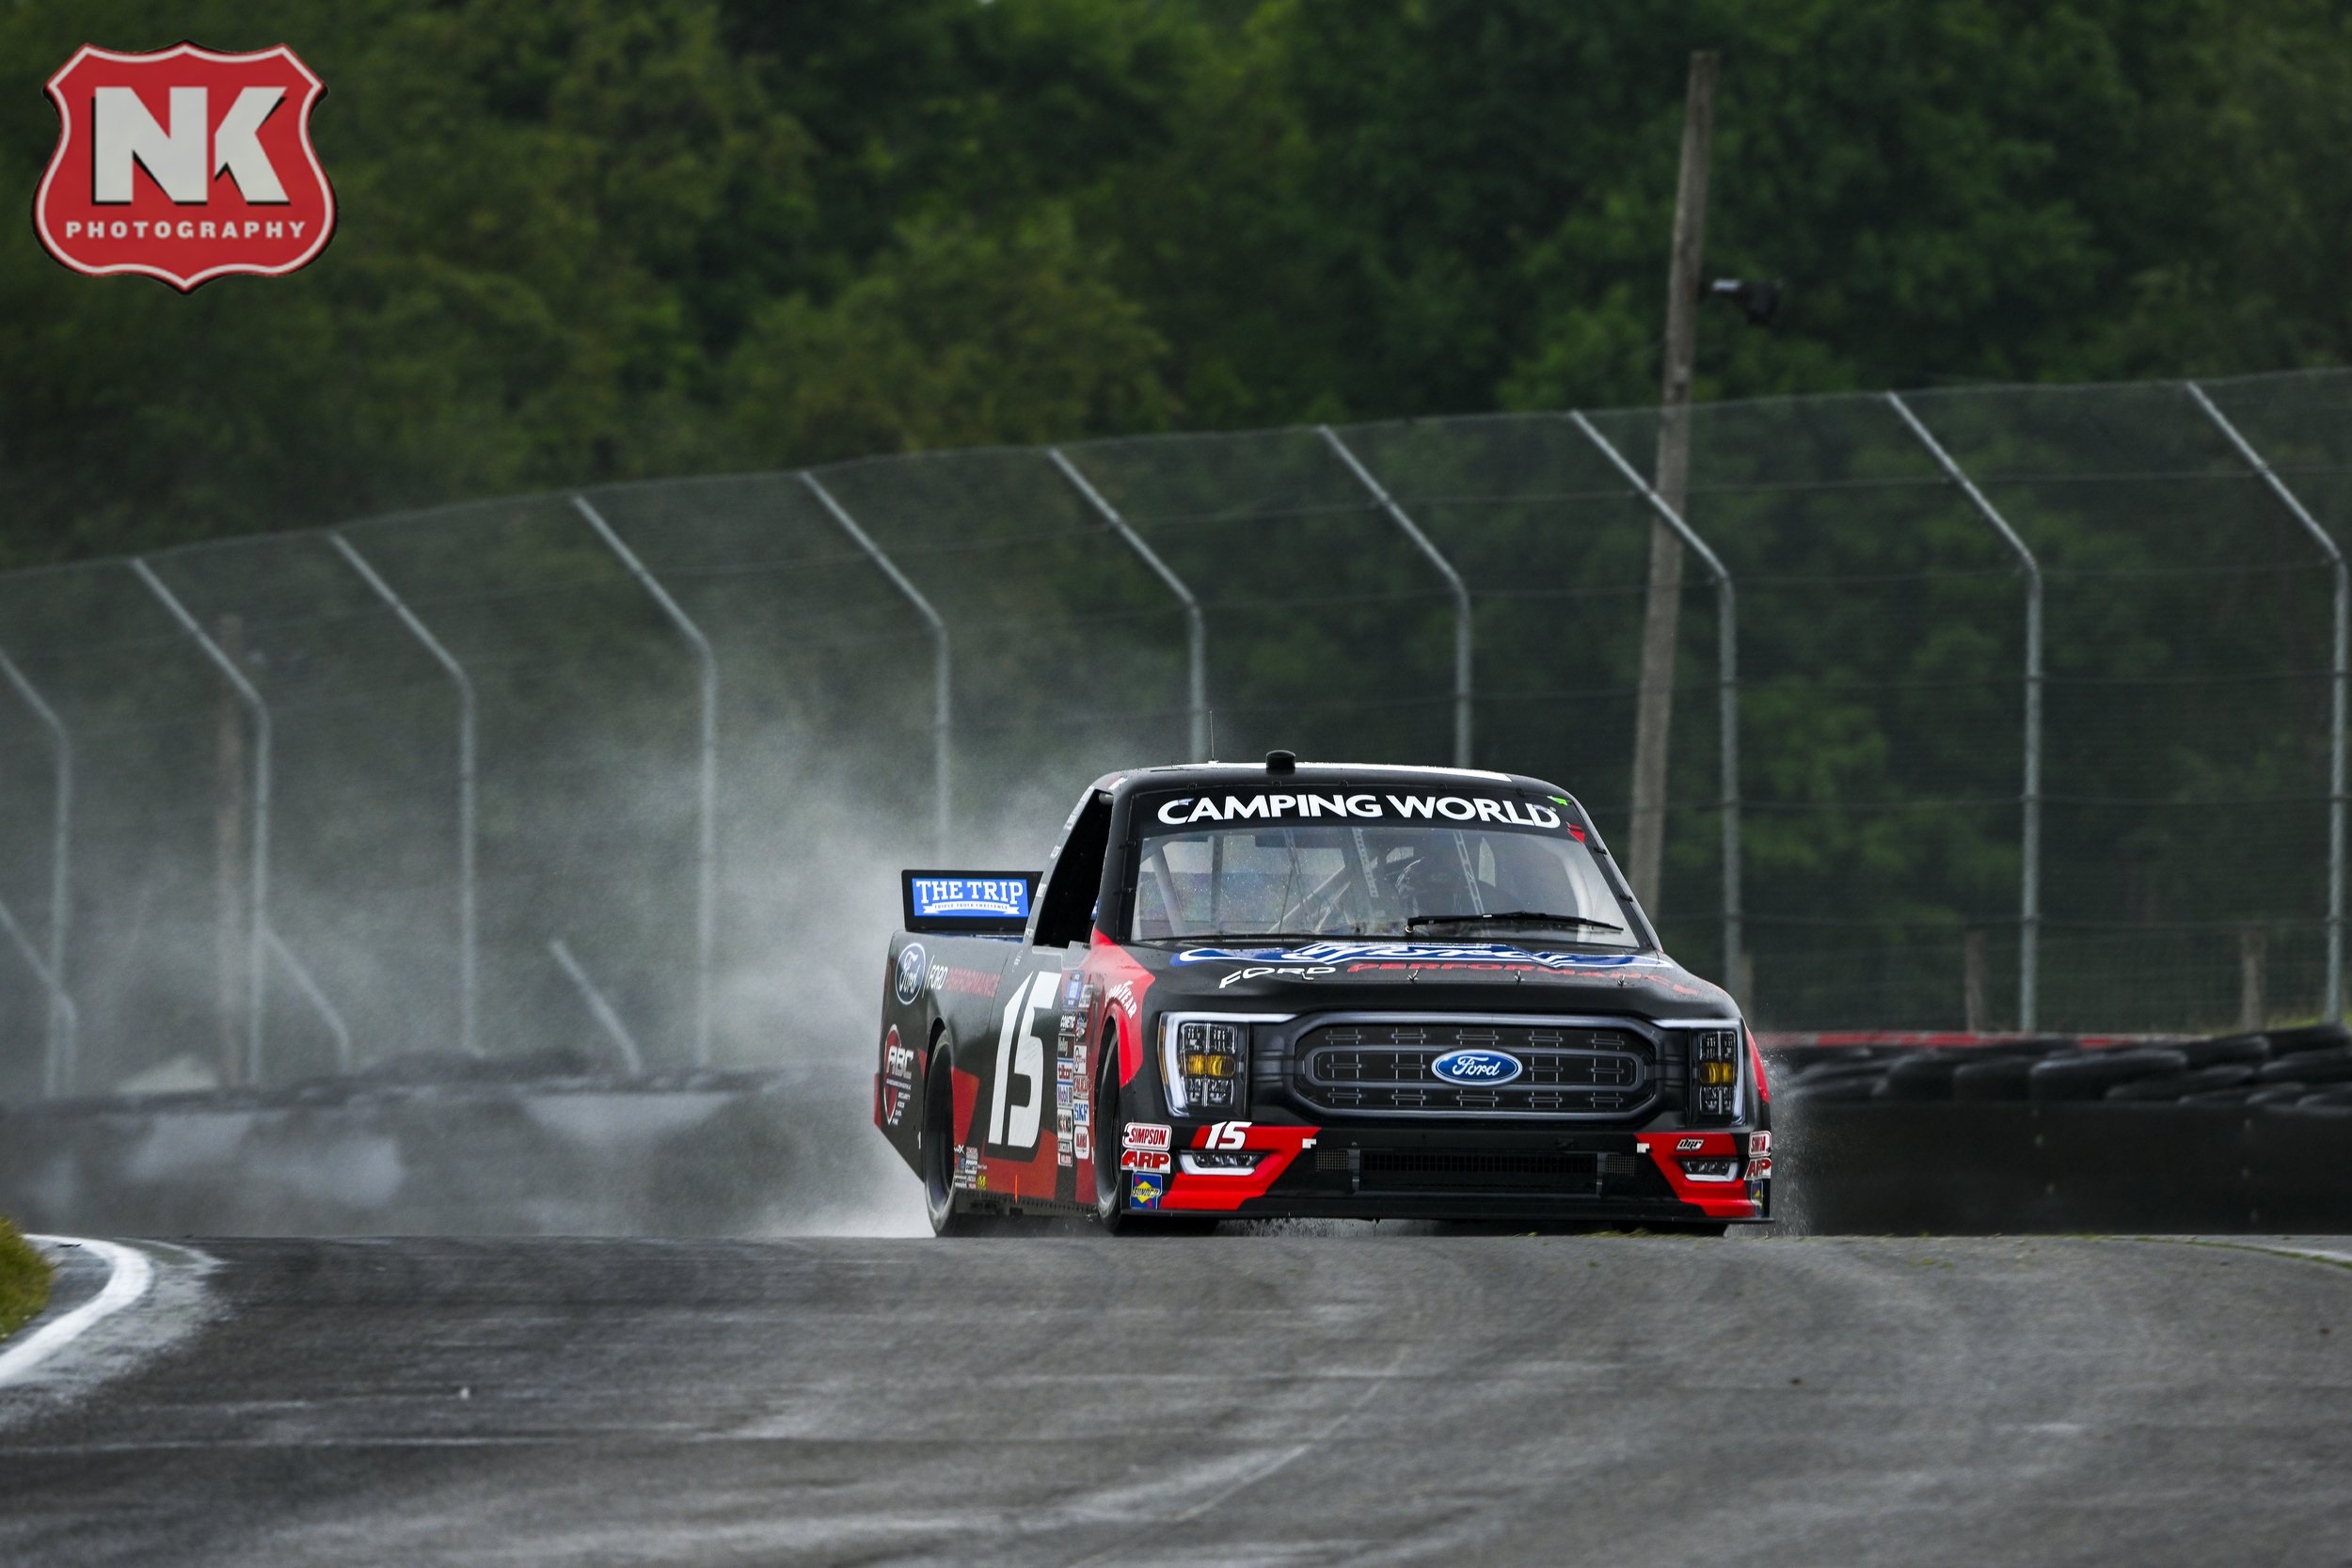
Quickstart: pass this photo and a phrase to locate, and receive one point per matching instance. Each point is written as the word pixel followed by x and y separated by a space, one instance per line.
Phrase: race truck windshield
pixel 1429 867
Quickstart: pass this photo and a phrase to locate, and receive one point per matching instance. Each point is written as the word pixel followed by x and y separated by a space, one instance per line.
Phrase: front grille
pixel 1386 1068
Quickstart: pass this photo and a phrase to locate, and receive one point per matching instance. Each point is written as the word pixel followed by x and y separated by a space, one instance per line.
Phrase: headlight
pixel 1715 1074
pixel 1204 1062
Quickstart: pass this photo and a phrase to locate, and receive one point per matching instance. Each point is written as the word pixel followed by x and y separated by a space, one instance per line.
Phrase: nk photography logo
pixel 184 164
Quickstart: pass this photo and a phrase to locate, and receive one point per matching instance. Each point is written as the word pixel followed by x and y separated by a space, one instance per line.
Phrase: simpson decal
pixel 184 164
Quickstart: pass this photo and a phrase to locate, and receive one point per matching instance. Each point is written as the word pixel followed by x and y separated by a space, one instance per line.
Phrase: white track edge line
pixel 129 1274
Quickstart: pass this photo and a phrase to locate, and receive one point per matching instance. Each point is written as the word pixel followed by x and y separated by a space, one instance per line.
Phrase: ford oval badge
pixel 1476 1067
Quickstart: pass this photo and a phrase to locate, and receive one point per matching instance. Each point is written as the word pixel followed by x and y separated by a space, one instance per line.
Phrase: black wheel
pixel 1110 1133
pixel 938 1141
pixel 1110 1184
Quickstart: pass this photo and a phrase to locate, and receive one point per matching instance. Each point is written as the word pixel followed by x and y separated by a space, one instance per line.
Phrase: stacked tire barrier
pixel 1977 1134
pixel 449 1146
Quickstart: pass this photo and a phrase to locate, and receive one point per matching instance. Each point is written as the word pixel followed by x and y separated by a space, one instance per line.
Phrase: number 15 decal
pixel 1013 1124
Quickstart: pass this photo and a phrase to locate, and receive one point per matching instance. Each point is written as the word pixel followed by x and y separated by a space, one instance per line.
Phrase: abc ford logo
pixel 184 164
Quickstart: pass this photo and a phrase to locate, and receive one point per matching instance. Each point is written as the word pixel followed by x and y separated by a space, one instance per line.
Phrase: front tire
pixel 1110 1184
pixel 1111 1136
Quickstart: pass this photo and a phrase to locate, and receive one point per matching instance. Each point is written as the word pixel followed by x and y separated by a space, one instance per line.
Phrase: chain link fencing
pixel 627 774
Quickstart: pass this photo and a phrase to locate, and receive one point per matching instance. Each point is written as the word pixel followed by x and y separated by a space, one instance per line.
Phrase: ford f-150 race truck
pixel 1243 991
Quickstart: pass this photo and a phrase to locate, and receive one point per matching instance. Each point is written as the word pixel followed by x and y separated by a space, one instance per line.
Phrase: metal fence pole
pixel 315 995
pixel 1197 633
pixel 64 1023
pixel 60 1004
pixel 943 699
pixel 602 1011
pixel 706 842
pixel 257 978
pixel 2338 670
pixel 1462 692
pixel 1727 685
pixel 2029 890
pixel 468 945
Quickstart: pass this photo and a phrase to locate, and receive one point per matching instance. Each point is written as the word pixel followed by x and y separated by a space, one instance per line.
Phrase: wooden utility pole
pixel 228 810
pixel 1654 707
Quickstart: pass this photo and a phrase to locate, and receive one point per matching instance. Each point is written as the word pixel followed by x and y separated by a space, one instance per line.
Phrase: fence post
pixel 602 1011
pixel 60 1004
pixel 1196 634
pixel 1462 692
pixel 707 838
pixel 64 1023
pixel 942 669
pixel 2029 891
pixel 315 995
pixel 1727 684
pixel 256 976
pixel 469 948
pixel 2340 670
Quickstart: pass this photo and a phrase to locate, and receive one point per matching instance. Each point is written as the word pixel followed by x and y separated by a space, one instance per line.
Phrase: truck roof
pixel 1227 775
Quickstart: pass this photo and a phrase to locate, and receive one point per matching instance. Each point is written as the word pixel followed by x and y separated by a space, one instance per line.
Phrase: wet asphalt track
pixel 1233 1400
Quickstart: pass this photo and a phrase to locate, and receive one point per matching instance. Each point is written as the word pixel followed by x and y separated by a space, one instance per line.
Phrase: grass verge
pixel 24 1280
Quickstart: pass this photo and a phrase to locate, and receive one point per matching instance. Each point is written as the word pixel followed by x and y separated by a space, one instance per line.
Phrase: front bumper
pixel 1269 1170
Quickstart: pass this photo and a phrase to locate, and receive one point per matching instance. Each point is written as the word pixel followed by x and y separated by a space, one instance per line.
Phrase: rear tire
pixel 938 1141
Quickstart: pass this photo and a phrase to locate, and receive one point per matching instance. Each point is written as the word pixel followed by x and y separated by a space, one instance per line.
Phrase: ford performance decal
pixel 1415 952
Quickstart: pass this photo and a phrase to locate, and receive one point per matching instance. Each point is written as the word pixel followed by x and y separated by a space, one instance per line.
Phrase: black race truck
pixel 1335 990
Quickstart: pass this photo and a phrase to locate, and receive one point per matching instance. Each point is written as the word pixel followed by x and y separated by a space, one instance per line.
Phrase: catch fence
pixel 2000 707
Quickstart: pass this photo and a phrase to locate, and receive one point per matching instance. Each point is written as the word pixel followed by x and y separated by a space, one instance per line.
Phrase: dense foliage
pixel 588 240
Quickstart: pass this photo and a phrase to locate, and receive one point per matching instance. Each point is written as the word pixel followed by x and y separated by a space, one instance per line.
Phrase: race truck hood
pixel 1512 976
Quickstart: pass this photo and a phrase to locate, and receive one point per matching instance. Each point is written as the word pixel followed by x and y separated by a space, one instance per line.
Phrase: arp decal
pixel 1144 1160
pixel 184 164
pixel 909 982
